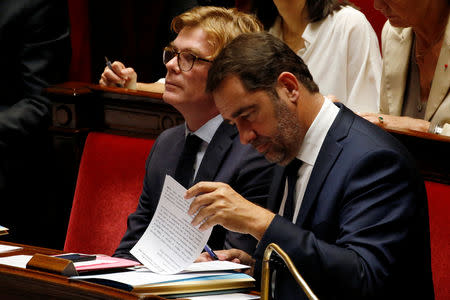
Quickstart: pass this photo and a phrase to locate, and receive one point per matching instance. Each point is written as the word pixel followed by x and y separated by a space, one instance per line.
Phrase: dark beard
pixel 284 146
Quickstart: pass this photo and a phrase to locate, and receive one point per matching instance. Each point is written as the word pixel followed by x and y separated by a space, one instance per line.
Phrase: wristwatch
pixel 437 129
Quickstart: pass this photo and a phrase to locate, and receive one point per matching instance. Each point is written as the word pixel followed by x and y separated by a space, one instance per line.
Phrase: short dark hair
pixel 257 59
pixel 267 12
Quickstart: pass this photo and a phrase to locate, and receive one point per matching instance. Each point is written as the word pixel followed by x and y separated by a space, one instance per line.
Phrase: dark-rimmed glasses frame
pixel 185 59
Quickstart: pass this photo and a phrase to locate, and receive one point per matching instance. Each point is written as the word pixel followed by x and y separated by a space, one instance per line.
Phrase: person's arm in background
pixel 127 77
pixel 43 48
pixel 404 122
pixel 400 122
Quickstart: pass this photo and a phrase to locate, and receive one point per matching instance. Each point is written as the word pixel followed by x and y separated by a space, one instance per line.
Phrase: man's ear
pixel 289 85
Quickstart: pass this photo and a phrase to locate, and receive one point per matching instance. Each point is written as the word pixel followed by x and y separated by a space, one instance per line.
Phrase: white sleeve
pixel 363 65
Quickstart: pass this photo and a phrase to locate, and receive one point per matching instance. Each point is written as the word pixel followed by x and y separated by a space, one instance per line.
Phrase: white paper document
pixel 215 265
pixel 19 261
pixel 170 243
pixel 207 266
pixel 142 277
pixel 8 248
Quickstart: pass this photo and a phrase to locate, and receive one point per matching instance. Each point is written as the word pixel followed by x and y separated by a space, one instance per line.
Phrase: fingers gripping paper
pixel 170 243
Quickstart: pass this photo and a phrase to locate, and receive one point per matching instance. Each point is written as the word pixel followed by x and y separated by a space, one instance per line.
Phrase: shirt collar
pixel 317 132
pixel 207 131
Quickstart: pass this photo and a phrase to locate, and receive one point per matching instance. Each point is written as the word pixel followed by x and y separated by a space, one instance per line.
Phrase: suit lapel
pixel 175 150
pixel 328 154
pixel 276 191
pixel 215 153
pixel 441 78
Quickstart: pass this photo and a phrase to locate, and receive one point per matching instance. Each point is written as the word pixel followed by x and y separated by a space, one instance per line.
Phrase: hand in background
pixel 383 120
pixel 127 77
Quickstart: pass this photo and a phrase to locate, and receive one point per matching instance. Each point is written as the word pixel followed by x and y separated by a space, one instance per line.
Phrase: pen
pixel 108 64
pixel 211 253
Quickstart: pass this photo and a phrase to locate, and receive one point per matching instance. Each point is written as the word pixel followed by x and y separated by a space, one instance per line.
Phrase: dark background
pixel 135 32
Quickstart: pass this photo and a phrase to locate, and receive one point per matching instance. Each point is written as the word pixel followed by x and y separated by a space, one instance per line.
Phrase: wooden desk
pixel 18 283
pixel 431 152
pixel 78 106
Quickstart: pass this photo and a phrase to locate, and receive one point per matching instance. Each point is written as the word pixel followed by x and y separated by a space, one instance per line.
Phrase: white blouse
pixel 343 56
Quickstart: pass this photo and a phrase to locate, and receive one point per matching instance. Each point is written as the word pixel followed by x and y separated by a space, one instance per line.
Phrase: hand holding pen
pixel 116 74
pixel 233 255
pixel 211 253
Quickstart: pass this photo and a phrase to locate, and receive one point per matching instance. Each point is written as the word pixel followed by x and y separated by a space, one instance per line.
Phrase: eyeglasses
pixel 185 59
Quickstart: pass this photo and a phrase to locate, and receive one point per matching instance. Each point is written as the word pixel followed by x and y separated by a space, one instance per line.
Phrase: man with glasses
pixel 185 59
pixel 218 153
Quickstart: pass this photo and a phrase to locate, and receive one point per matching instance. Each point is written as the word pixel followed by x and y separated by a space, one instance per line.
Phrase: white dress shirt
pixel 309 151
pixel 343 56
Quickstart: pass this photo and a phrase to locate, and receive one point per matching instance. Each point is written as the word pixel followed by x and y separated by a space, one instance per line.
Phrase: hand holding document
pixel 170 243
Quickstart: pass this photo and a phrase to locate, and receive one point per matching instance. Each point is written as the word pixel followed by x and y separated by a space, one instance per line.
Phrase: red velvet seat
pixel 109 183
pixel 439 209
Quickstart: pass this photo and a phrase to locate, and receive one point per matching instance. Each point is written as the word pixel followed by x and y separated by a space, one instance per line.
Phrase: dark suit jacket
pixel 362 230
pixel 34 53
pixel 226 160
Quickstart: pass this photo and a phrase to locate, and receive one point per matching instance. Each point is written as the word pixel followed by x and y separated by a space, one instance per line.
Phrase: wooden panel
pixel 81 106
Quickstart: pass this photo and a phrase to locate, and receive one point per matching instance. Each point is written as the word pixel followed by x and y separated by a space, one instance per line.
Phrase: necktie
pixel 292 176
pixel 185 168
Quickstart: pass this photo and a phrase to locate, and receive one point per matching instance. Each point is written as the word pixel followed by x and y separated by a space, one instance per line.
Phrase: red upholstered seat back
pixel 439 210
pixel 109 183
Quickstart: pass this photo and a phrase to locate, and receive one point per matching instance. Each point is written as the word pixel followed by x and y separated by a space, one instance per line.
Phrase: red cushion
pixel 439 210
pixel 109 183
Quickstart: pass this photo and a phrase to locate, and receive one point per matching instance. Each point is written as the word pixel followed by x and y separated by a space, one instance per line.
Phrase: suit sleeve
pixel 44 60
pixel 376 207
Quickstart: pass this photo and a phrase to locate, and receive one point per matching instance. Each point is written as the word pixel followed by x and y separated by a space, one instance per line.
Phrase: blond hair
pixel 221 25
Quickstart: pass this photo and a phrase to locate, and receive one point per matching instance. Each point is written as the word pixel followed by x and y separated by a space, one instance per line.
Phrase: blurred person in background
pixel 416 56
pixel 35 53
pixel 335 41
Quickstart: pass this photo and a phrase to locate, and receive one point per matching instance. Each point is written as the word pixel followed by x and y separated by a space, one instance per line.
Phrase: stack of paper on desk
pixel 199 277
pixel 103 262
